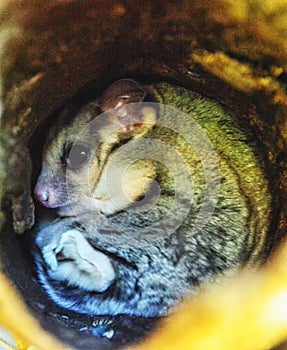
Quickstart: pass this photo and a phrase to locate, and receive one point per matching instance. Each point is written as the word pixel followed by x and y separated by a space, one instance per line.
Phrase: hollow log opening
pixel 58 51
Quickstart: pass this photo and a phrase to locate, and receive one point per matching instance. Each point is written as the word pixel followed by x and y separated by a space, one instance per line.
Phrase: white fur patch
pixel 71 258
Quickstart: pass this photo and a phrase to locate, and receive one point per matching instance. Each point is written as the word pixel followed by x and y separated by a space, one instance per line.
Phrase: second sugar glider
pixel 120 179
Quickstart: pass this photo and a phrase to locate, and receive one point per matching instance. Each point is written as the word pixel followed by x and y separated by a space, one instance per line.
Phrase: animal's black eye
pixel 77 156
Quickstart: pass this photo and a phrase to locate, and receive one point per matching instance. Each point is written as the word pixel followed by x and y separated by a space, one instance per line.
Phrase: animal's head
pixel 78 147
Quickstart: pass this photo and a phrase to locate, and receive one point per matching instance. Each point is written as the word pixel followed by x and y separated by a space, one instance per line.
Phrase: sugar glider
pixel 136 241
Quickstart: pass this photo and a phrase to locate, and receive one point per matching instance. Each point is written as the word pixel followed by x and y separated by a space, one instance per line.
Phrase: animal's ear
pixel 120 93
pixel 122 103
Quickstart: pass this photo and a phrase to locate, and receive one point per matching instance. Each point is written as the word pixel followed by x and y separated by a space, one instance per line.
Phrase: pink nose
pixel 42 196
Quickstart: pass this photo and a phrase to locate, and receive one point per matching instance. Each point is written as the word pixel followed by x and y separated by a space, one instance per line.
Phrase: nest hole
pixel 72 328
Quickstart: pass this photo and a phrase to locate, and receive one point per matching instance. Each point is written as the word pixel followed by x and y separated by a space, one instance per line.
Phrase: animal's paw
pixel 103 328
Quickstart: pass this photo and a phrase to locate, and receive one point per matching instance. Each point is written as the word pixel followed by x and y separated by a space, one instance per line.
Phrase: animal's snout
pixel 48 196
pixel 42 196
